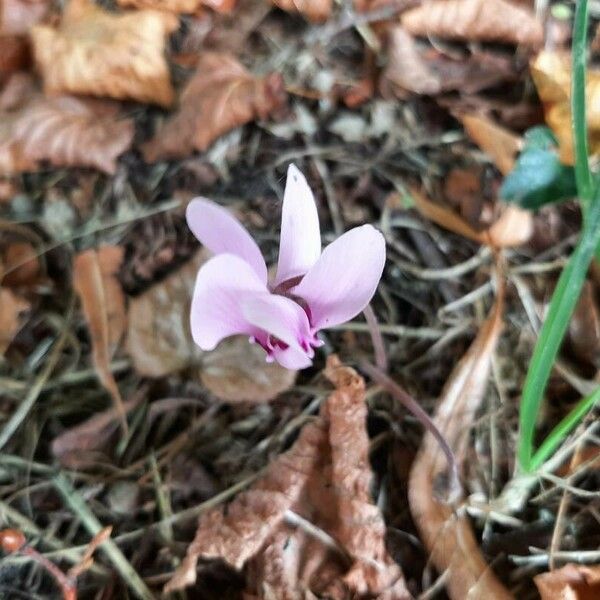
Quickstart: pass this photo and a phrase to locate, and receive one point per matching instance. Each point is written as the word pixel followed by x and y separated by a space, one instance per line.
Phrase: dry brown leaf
pixel 220 96
pixel 19 265
pixel 445 531
pixel 159 342
pixel 308 526
pixel 18 16
pixel 571 582
pixel 551 72
pixel 500 144
pixel 14 55
pixel 584 327
pixel 65 131
pixel 12 308
pixel 103 303
pixel 316 11
pixel 103 54
pixel 475 20
pixel 513 227
pixel 181 6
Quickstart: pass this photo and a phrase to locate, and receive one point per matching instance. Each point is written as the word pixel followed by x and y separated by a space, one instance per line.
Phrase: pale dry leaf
pixel 220 96
pixel 446 532
pixel 475 20
pixel 100 53
pixel 316 11
pixel 103 303
pixel 513 227
pixel 551 73
pixel 181 6
pixel 571 582
pixel 64 131
pixel 18 16
pixel 500 144
pixel 12 308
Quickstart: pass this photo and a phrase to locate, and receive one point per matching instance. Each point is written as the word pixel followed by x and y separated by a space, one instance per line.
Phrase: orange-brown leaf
pixel 475 20
pixel 65 131
pixel 99 53
pixel 220 96
pixel 18 16
pixel 14 55
pixel 103 303
pixel 20 265
pixel 316 11
pixel 447 534
pixel 11 309
pixel 571 582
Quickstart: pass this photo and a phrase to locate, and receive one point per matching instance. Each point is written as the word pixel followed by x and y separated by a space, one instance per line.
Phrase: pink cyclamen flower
pixel 311 290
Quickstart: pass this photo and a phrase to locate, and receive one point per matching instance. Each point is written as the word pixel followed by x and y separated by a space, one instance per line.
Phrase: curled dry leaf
pixel 18 16
pixel 312 502
pixel 220 96
pixel 103 303
pixel 102 54
pixel 65 131
pixel 446 531
pixel 475 20
pixel 571 582
pixel 316 11
pixel 500 144
pixel 513 227
pixel 159 341
pixel 12 308
pixel 551 72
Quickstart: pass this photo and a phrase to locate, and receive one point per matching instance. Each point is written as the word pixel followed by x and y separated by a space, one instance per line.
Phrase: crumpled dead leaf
pixel 159 342
pixel 309 525
pixel 513 227
pixel 104 54
pixel 444 528
pixel 103 303
pixel 316 11
pixel 65 131
pixel 475 20
pixel 571 582
pixel 181 6
pixel 220 96
pixel 14 55
pixel 500 144
pixel 412 68
pixel 551 73
pixel 12 308
pixel 18 16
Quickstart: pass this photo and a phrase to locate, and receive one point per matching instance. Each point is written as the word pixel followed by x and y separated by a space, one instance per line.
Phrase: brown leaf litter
pixel 571 582
pixel 220 96
pixel 315 11
pixel 65 131
pixel 309 525
pixel 159 341
pixel 475 21
pixel 103 304
pixel 95 52
pixel 181 6
pixel 441 521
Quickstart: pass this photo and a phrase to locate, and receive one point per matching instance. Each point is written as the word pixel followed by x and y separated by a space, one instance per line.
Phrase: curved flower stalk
pixel 311 289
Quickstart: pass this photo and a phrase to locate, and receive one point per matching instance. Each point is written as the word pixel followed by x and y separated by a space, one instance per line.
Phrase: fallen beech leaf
pixel 551 72
pixel 584 327
pixel 103 54
pixel 11 309
pixel 513 227
pixel 181 6
pixel 220 96
pixel 475 20
pixel 571 582
pixel 18 16
pixel 316 11
pixel 323 483
pixel 65 131
pixel 159 341
pixel 446 531
pixel 500 144
pixel 103 304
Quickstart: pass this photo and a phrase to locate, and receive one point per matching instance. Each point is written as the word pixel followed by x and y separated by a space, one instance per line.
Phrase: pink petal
pixel 345 278
pixel 222 233
pixel 300 244
pixel 285 320
pixel 216 313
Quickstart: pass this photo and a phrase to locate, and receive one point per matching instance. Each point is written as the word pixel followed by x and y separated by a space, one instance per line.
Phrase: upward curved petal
pixel 300 243
pixel 345 278
pixel 216 313
pixel 222 233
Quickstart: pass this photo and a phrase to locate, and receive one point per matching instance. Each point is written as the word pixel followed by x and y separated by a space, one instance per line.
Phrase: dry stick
pixel 377 339
pixel 415 408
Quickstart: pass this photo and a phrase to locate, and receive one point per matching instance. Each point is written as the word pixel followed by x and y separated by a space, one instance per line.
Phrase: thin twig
pixel 376 338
